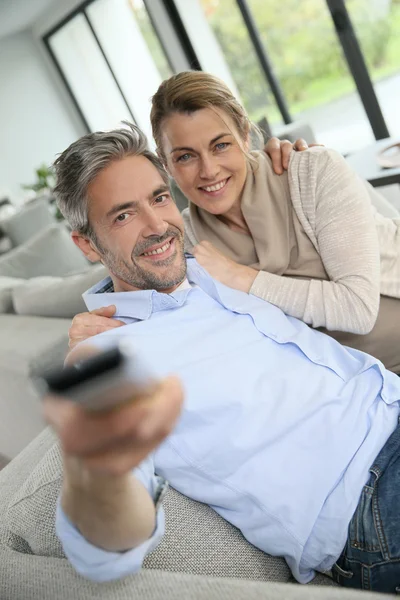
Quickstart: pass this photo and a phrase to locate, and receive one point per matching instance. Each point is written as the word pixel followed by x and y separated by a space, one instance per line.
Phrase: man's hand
pixel 108 505
pixel 224 269
pixel 113 442
pixel 88 324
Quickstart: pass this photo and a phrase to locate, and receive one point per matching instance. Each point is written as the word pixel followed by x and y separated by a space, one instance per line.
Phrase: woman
pixel 307 241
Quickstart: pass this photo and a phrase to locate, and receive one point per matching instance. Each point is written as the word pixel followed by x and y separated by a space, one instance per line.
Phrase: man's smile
pixel 160 251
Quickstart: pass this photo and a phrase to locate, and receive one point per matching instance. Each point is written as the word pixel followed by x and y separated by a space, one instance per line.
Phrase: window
pixel 303 46
pixel 88 75
pixel 377 26
pixel 113 62
pixel 307 59
pixel 113 55
pixel 225 20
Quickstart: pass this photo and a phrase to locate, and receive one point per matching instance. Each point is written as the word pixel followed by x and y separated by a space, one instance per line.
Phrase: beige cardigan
pixel 360 249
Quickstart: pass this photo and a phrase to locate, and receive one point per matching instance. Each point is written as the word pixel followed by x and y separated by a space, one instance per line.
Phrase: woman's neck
pixel 235 220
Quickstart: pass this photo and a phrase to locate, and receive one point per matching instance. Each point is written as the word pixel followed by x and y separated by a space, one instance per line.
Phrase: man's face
pixel 138 228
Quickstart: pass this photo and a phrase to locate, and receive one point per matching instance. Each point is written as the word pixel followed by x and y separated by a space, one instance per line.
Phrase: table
pixel 365 164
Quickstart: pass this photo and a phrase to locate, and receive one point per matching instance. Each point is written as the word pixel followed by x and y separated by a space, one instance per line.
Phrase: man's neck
pixel 122 286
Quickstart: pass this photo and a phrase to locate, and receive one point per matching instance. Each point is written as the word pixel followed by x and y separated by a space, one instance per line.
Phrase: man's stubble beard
pixel 143 279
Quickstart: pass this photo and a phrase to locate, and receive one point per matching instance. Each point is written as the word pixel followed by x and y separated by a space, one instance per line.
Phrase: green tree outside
pixel 303 47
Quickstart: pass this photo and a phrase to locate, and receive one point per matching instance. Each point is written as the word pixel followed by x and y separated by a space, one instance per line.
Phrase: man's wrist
pixel 83 488
pixel 77 476
pixel 115 513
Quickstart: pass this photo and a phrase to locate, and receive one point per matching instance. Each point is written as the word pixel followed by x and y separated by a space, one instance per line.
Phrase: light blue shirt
pixel 279 428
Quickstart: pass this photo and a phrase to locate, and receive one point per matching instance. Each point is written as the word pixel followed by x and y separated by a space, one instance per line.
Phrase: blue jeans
pixel 371 557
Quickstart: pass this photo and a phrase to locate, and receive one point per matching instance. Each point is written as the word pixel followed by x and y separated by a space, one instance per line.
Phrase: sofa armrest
pixel 29 577
pixel 19 469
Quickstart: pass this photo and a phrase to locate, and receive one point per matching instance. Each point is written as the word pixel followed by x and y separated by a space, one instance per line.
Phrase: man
pixel 285 433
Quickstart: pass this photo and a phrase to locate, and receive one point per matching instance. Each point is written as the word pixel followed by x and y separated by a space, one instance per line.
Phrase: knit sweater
pixel 359 248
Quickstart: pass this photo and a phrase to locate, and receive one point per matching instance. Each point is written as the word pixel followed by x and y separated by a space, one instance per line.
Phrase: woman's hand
pixel 279 152
pixel 88 324
pixel 224 269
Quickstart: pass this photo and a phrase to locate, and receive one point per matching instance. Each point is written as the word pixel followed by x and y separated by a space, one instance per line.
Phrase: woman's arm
pixel 338 217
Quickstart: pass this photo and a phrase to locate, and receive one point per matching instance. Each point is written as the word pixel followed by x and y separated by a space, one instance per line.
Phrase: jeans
pixel 371 557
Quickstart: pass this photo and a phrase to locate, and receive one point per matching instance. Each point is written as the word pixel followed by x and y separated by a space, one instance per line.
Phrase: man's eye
pixel 161 199
pixel 184 157
pixel 121 217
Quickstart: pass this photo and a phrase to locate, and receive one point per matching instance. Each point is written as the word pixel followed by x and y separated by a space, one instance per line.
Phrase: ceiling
pixel 16 15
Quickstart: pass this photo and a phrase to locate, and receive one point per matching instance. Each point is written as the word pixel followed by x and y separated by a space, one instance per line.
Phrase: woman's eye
pixel 184 158
pixel 222 146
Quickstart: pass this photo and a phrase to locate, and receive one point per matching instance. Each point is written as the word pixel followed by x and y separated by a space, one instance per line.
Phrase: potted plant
pixel 44 181
pixel 44 185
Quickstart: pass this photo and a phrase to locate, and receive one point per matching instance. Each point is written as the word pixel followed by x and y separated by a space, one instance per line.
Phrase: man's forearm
pixel 115 513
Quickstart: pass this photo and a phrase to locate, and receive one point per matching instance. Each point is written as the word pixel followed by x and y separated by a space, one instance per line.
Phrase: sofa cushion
pixel 31 344
pixel 197 540
pixel 50 252
pixel 56 296
pixel 7 285
pixel 28 577
pixel 3 461
pixel 26 223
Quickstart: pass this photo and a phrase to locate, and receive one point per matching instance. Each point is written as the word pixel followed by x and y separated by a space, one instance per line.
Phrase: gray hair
pixel 78 165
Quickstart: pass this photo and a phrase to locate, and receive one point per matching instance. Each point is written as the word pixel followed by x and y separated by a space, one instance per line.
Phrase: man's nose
pixel 209 168
pixel 153 224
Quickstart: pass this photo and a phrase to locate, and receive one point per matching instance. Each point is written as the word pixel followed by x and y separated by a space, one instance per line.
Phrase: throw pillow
pixel 7 285
pixel 50 252
pixel 56 296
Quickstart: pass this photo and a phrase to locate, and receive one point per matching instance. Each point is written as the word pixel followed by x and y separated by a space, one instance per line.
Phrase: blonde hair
pixel 189 91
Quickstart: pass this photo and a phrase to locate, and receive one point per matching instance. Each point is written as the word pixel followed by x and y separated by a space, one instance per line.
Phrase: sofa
pixel 41 286
pixel 200 557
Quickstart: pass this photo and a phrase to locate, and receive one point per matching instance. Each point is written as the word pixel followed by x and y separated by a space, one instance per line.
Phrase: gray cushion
pixel 7 285
pixel 25 224
pixel 56 296
pixel 51 252
pixel 3 461
pixel 197 540
pixel 29 577
pixel 30 344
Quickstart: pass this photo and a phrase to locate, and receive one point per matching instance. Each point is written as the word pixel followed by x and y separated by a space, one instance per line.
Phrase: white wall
pixel 36 119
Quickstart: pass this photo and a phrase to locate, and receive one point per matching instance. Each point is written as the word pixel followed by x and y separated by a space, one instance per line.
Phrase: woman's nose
pixel 209 168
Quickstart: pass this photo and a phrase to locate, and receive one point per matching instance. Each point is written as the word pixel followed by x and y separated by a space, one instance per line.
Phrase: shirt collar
pixel 141 304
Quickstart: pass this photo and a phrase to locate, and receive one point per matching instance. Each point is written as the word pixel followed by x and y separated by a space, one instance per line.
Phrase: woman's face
pixel 205 155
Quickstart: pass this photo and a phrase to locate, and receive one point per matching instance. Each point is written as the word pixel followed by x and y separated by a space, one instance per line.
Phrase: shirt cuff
pixel 101 565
